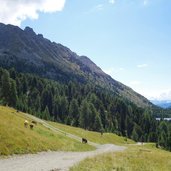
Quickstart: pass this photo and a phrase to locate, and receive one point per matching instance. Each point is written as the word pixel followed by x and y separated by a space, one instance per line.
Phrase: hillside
pixel 31 53
pixel 82 105
pixel 16 139
pixel 106 138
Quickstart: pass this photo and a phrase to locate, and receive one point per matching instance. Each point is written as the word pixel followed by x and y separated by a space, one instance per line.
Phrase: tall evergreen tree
pixel 84 115
pixel 13 94
pixel 98 123
pixel 74 112
pixel 63 108
pixel 6 86
pixel 46 114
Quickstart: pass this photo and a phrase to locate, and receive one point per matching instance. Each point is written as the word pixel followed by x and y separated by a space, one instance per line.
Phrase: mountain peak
pixel 29 31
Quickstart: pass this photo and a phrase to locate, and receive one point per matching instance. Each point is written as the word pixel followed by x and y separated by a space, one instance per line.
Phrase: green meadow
pixel 16 139
pixel 135 158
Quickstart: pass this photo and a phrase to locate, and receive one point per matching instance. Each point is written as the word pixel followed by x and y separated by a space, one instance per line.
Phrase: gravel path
pixel 57 161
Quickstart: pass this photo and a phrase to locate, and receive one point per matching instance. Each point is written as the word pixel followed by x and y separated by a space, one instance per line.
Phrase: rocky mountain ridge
pixel 29 52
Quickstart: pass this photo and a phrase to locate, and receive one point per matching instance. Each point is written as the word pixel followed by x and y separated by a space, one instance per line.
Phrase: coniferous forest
pixel 82 105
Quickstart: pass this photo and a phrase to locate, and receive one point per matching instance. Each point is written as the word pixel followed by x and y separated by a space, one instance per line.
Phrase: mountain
pixel 50 81
pixel 162 103
pixel 29 52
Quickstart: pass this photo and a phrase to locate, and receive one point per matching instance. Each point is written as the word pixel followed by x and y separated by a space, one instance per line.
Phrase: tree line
pixel 82 105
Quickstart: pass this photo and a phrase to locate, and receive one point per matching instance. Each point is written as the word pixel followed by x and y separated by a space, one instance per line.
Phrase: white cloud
pixel 99 7
pixel 145 2
pixel 166 95
pixel 16 11
pixel 158 94
pixel 112 1
pixel 111 71
pixel 135 83
pixel 121 69
pixel 142 65
pixel 96 8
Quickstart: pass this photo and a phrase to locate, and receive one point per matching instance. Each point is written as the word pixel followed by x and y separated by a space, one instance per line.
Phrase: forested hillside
pixel 84 105
pixel 161 113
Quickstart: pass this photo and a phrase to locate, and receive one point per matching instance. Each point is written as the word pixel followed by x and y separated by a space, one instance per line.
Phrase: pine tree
pixel 13 94
pixel 74 112
pixel 134 135
pixel 91 117
pixel 163 131
pixel 56 108
pixel 98 123
pixel 63 109
pixel 12 73
pixel 46 114
pixel 24 85
pixel 162 141
pixel 137 133
pixel 37 104
pixel 6 86
pixel 84 115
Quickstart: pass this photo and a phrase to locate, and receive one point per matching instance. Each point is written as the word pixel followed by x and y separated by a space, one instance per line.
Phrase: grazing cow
pixel 31 126
pixel 34 122
pixel 25 123
pixel 84 140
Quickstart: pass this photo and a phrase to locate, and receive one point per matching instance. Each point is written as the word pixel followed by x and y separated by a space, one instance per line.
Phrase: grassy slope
pixel 135 158
pixel 16 139
pixel 107 138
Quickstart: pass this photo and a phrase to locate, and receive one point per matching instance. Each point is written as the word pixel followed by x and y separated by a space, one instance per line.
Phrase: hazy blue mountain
pixel 162 103
pixel 29 52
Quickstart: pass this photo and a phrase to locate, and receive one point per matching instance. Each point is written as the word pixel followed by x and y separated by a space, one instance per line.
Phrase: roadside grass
pixel 106 138
pixel 134 158
pixel 16 139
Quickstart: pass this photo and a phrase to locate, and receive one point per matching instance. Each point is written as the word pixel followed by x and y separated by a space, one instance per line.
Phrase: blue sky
pixel 128 39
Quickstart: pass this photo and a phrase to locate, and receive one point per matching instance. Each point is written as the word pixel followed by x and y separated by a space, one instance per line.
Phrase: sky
pixel 128 39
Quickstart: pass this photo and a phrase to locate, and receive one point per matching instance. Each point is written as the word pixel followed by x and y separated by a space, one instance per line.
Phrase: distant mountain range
pixel 29 52
pixel 162 103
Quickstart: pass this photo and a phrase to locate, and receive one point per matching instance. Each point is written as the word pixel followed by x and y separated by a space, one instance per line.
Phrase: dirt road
pixel 46 161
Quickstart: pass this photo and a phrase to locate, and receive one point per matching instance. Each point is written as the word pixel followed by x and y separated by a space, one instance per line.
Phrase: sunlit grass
pixel 135 158
pixel 16 139
pixel 106 138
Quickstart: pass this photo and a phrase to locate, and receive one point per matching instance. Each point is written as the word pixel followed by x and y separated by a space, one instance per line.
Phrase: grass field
pixel 106 138
pixel 16 139
pixel 135 158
